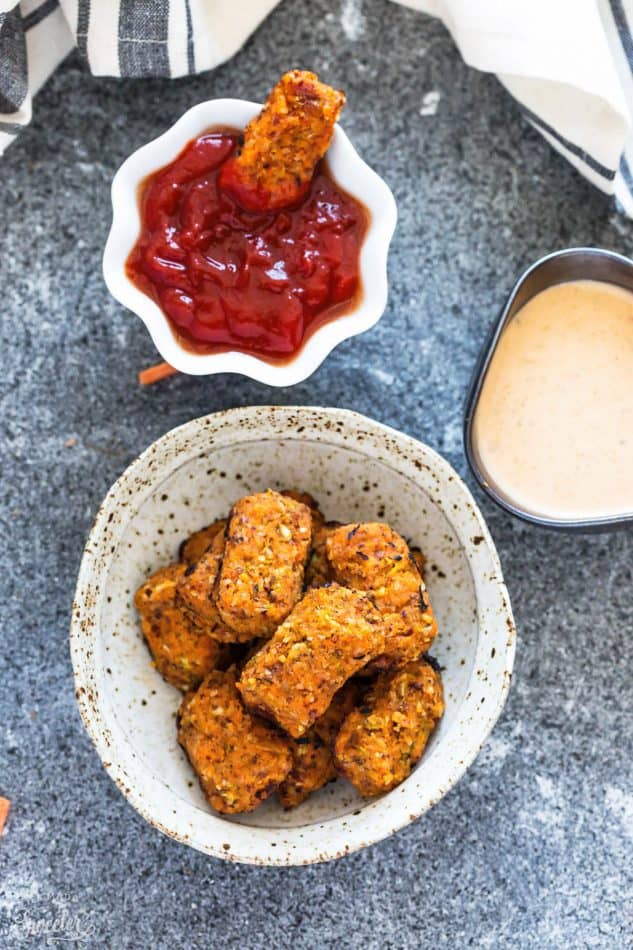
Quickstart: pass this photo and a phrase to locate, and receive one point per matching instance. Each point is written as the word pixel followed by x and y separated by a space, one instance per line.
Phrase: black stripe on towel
pixel 622 26
pixel 589 160
pixel 14 84
pixel 40 14
pixel 143 38
pixel 83 25
pixel 625 171
pixel 624 33
pixel 191 53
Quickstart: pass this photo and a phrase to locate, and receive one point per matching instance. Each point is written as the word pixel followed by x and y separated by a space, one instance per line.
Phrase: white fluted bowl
pixel 350 172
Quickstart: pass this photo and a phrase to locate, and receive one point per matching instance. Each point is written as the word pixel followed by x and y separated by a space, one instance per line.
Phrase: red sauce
pixel 231 279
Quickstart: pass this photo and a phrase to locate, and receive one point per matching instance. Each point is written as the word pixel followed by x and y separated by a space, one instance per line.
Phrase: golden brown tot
pixel 193 547
pixel 313 754
pixel 372 557
pixel 283 144
pixel 261 578
pixel 183 653
pixel 238 759
pixel 330 635
pixel 381 741
pixel 196 590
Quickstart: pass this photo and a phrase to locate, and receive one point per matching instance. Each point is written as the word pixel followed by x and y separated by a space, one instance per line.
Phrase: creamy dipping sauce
pixel 553 427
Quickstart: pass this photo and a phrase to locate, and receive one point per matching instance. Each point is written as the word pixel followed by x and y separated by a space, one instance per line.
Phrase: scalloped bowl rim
pixel 451 757
pixel 351 173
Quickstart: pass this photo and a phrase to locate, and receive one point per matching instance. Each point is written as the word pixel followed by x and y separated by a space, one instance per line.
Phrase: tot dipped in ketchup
pixel 283 144
pixel 247 243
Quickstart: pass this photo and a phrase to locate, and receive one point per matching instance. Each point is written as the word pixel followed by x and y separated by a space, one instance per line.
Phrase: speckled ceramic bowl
pixel 350 172
pixel 357 469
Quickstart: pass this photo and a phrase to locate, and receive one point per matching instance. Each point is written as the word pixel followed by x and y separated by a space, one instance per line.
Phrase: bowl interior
pixel 349 486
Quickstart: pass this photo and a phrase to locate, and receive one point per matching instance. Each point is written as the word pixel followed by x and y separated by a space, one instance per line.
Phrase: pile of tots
pixel 300 647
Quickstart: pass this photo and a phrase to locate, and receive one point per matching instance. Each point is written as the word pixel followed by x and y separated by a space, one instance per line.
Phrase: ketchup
pixel 232 279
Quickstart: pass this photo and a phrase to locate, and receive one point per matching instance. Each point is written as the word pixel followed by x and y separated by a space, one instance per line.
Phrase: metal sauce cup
pixel 576 263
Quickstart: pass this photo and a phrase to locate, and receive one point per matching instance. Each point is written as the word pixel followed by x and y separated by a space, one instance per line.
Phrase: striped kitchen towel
pixel 117 38
pixel 568 63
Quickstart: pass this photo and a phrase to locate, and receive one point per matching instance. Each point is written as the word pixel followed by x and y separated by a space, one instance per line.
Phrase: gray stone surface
pixel 533 848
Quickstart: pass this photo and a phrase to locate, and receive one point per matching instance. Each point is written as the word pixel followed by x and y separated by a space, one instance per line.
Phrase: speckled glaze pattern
pixel 359 470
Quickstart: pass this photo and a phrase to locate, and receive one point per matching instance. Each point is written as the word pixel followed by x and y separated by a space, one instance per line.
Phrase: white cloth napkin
pixel 568 63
